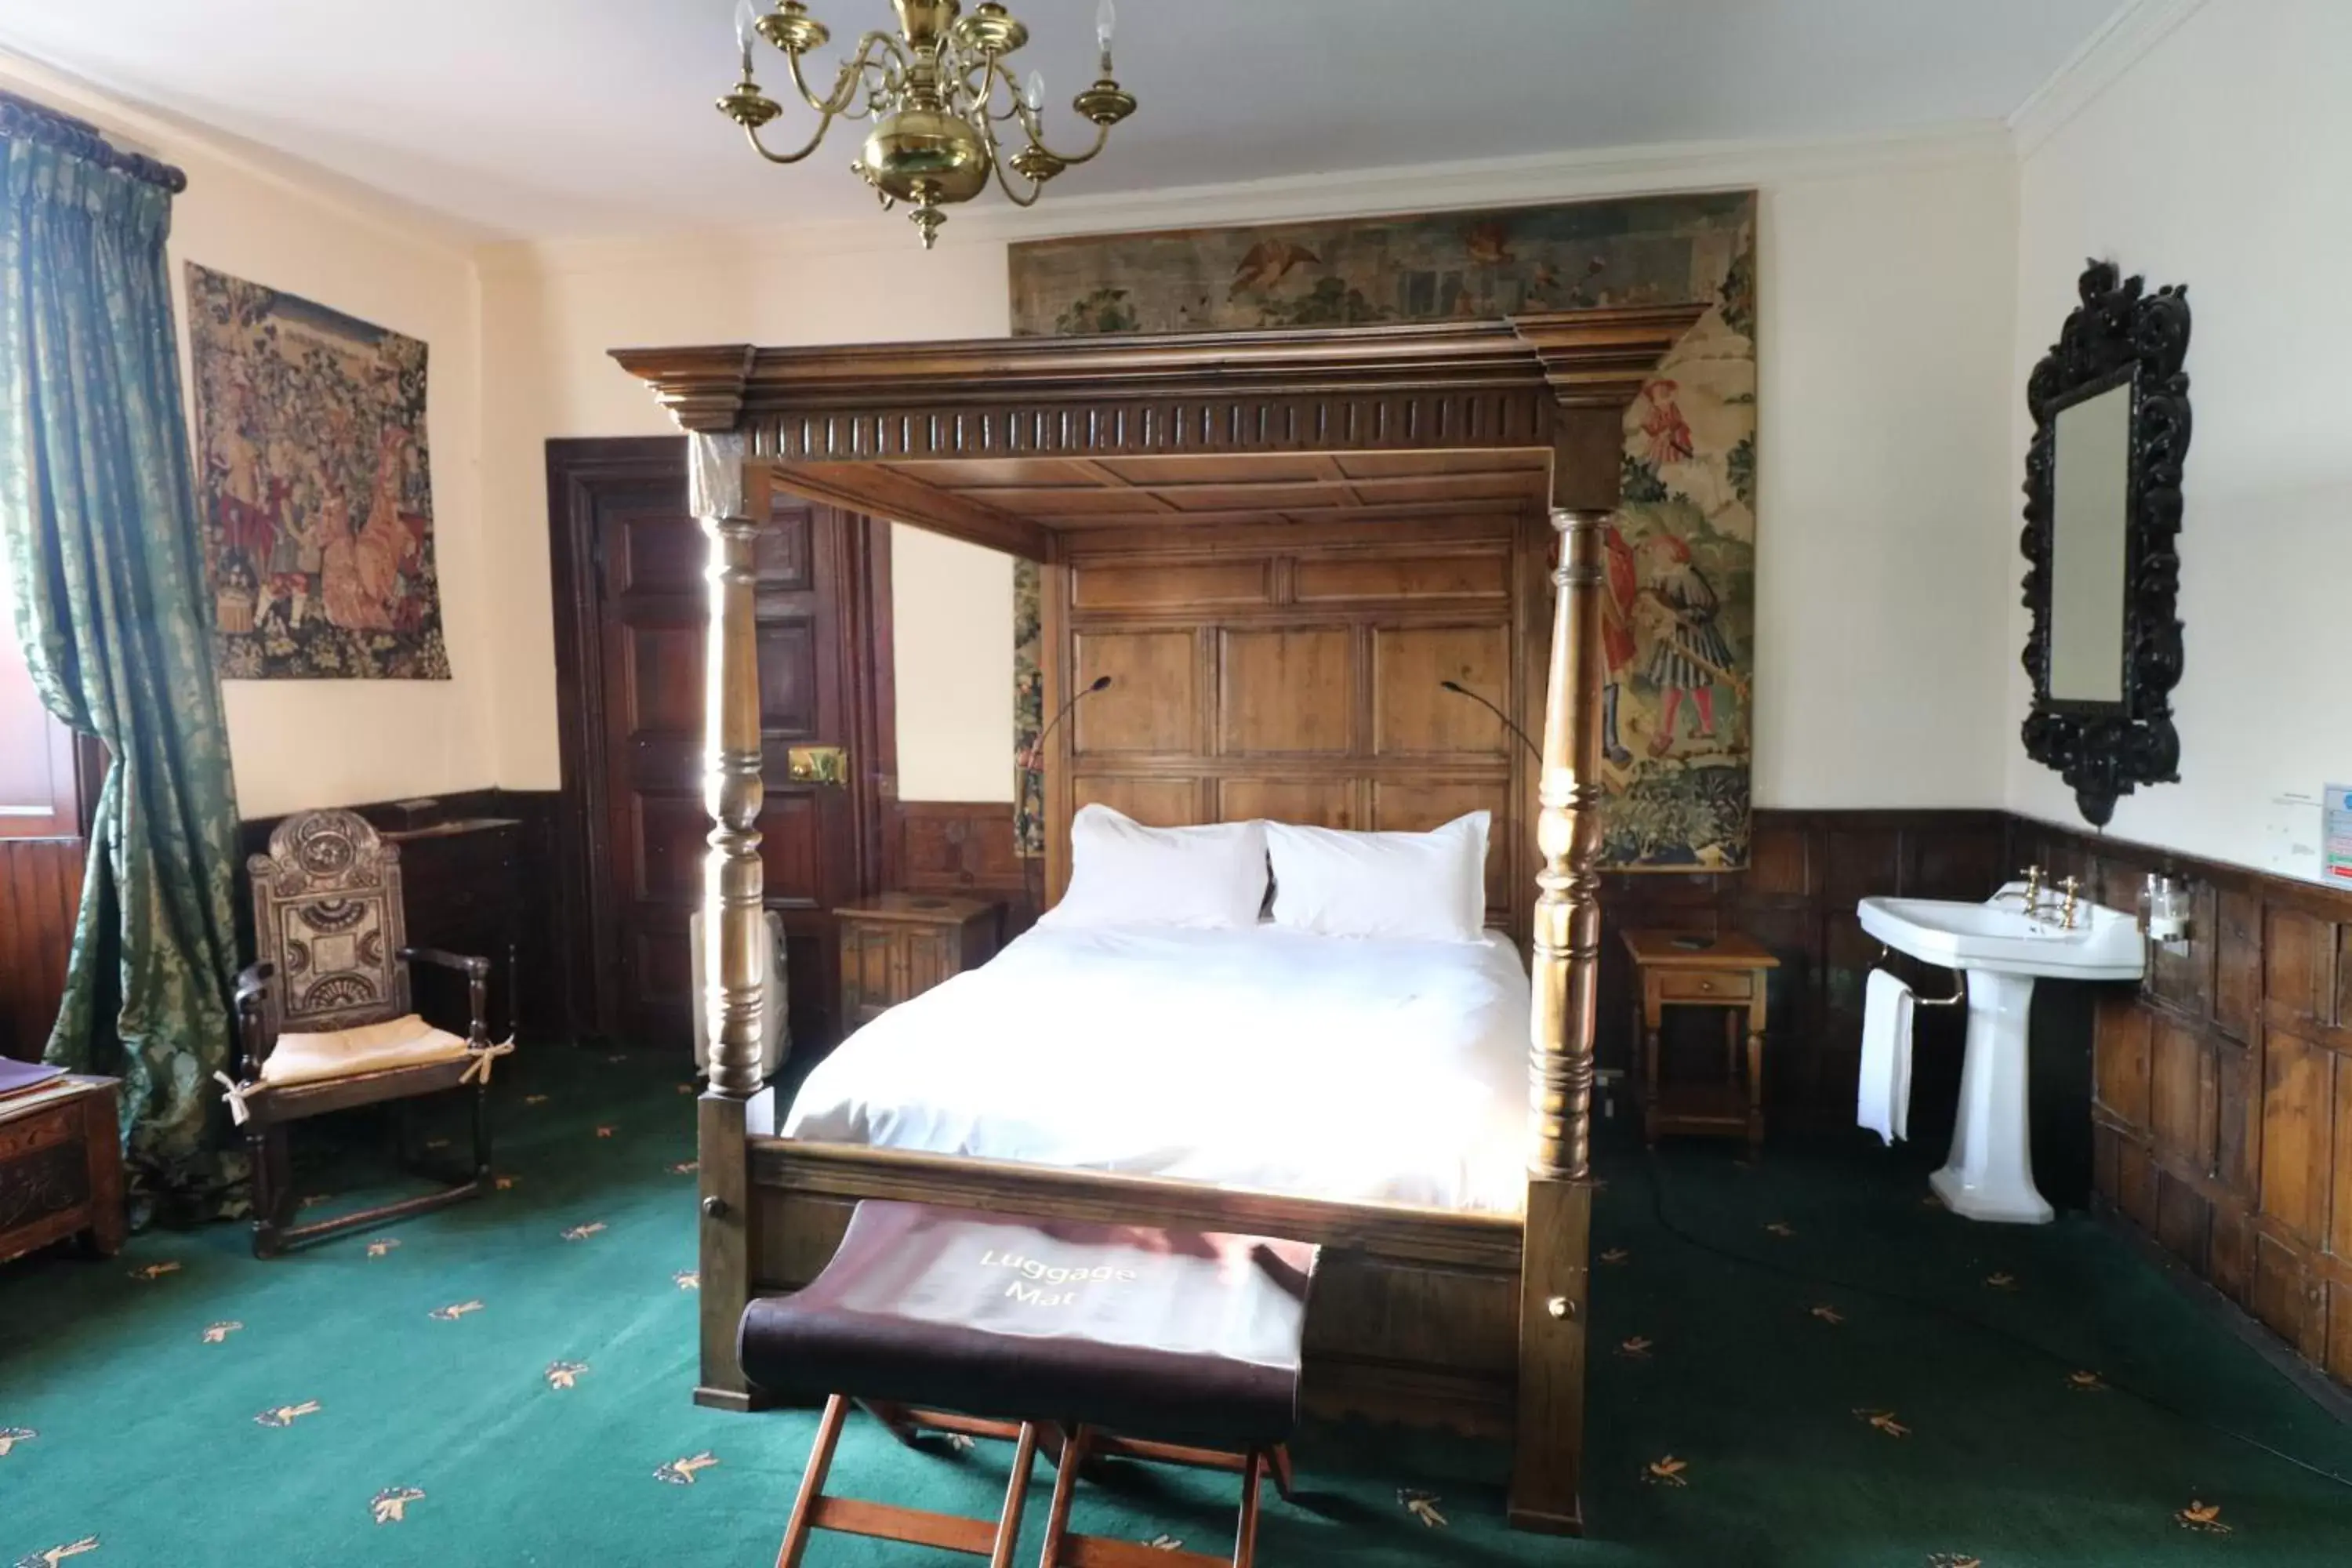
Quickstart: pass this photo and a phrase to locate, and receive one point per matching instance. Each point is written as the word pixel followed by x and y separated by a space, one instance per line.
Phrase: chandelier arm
pixel 1036 187
pixel 984 92
pixel 1034 125
pixel 751 135
pixel 851 78
pixel 996 154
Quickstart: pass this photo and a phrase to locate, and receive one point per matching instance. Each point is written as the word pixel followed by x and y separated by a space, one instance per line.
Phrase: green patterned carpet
pixel 506 1383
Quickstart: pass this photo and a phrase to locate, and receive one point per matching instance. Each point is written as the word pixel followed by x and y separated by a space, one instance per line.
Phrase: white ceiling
pixel 553 118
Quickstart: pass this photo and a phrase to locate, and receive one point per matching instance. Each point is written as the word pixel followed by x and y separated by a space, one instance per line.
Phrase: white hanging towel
pixel 1882 1102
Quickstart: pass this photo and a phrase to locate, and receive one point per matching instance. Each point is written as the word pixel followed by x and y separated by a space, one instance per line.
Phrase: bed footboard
pixel 1415 1312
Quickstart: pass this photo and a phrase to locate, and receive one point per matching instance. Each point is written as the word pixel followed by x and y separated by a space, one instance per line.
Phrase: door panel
pixel 649 611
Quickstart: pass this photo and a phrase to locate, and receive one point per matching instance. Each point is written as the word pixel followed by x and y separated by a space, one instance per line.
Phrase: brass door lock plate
pixel 817 764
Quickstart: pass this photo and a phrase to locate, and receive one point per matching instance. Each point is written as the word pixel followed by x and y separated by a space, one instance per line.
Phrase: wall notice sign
pixel 2337 840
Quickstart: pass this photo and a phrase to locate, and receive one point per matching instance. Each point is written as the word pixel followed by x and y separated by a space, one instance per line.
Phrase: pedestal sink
pixel 2004 947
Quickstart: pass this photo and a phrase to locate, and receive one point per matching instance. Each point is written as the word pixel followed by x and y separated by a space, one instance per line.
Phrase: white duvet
pixel 1266 1058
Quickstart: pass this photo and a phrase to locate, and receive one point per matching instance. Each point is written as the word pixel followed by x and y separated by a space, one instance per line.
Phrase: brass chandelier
pixel 939 95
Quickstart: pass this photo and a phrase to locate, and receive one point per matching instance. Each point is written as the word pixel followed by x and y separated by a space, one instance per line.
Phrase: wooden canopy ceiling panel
pixel 1008 498
pixel 1005 442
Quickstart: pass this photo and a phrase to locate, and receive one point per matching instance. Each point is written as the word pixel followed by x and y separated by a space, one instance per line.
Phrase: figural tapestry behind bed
pixel 1680 606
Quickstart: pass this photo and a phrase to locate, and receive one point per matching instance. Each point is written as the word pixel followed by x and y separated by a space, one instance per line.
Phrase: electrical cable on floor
pixel 1666 1223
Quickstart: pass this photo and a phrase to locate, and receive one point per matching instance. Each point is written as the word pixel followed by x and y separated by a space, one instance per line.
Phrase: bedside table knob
pixel 715 1207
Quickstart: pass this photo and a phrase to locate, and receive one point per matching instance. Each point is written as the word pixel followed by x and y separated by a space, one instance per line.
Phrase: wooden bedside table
pixel 902 944
pixel 61 1167
pixel 1727 972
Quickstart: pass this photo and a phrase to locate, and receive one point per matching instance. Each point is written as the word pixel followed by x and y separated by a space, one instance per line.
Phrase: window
pixel 40 795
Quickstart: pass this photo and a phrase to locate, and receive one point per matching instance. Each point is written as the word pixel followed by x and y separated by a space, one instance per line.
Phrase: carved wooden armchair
pixel 324 1017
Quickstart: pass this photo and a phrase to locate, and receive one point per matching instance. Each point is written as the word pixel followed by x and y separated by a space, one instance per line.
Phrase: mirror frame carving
pixel 2120 334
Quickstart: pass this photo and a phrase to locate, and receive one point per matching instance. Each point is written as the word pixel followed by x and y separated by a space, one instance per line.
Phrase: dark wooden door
pixel 637 696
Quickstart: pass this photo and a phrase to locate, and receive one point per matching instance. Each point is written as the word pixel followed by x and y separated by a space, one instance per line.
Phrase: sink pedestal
pixel 1990 1175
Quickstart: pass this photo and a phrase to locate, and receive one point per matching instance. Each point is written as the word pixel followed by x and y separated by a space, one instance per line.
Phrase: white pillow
pixel 1429 887
pixel 1123 873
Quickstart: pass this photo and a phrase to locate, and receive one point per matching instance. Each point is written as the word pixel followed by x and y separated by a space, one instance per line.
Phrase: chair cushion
pixel 404 1042
pixel 1186 1336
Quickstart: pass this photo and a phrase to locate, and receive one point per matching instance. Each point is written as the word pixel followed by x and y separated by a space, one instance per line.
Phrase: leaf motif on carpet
pixel 681 1472
pixel 283 1415
pixel 2202 1517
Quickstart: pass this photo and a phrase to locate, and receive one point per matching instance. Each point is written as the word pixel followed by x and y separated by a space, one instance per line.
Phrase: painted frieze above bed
pixel 1681 602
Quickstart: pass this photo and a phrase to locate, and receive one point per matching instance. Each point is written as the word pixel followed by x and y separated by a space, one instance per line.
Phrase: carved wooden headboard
pixel 1292 672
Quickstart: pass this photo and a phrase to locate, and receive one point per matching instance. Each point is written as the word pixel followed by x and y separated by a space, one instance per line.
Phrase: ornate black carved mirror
pixel 2110 406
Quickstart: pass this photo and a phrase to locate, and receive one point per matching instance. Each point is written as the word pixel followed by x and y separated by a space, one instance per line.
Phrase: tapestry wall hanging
pixel 316 488
pixel 1679 630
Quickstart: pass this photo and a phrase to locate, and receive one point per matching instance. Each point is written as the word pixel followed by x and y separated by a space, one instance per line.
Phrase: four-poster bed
pixel 1280 540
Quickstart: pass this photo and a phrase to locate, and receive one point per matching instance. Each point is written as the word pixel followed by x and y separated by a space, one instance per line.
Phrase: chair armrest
pixel 253 984
pixel 464 964
pixel 477 972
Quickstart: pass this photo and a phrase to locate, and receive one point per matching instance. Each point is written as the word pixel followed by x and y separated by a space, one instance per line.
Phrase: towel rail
pixel 1954 1000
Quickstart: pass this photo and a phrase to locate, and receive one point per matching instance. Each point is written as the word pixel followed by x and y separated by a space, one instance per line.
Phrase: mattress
pixel 1267 1058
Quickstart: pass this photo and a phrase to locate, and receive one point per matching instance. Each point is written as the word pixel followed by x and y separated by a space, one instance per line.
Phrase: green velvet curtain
pixel 97 537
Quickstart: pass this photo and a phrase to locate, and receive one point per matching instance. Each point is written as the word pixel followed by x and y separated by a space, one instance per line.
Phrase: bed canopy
pixel 1047 449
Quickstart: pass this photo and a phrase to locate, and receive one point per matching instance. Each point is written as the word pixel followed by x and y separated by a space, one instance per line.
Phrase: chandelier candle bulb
pixel 931 93
pixel 747 23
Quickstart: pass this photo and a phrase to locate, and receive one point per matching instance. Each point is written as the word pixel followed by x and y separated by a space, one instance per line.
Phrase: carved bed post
pixel 730 496
pixel 1554 1270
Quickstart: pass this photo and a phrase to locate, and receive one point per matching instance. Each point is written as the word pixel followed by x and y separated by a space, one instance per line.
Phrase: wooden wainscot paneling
pixel 2223 1114
pixel 1484 574
pixel 962 847
pixel 1154 802
pixel 1806 871
pixel 40 897
pixel 1412 713
pixel 1293 670
pixel 1151 702
pixel 1315 803
pixel 1182 587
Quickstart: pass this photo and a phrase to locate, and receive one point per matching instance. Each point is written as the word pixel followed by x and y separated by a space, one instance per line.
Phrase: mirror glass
pixel 2089 518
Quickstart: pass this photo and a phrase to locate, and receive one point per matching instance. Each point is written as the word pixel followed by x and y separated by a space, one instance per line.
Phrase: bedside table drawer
pixel 1692 986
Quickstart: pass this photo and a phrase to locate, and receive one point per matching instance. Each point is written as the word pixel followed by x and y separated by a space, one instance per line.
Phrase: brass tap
pixel 2073 886
pixel 2032 889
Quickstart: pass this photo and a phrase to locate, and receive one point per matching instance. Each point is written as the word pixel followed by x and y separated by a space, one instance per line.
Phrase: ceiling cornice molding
pixel 1661 169
pixel 177 140
pixel 2138 26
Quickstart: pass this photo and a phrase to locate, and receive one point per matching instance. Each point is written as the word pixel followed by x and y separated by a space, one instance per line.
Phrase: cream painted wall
pixel 2218 160
pixel 1881 472
pixel 951 620
pixel 327 743
pixel 1888 272
pixel 1882 467
pixel 550 318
